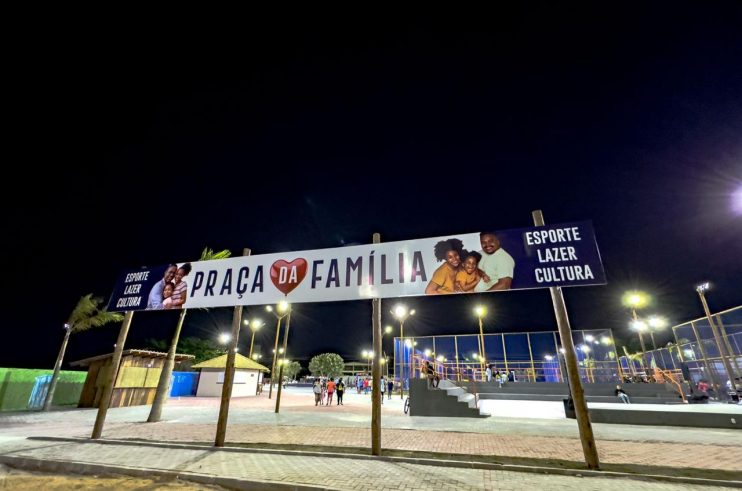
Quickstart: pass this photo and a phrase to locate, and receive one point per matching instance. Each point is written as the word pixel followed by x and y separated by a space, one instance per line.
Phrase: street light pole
pixel 401 359
pixel 280 370
pixel 254 326
pixel 701 289
pixel 638 325
pixel 282 308
pixel 481 312
pixel 401 313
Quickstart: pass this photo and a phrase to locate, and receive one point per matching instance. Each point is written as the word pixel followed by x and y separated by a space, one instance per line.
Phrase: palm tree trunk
pixel 163 386
pixel 57 368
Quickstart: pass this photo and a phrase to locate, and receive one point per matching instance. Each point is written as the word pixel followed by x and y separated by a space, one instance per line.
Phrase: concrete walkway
pixel 261 470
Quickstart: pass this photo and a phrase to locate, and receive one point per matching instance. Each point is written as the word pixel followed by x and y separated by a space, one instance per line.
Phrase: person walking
pixel 390 386
pixel 340 391
pixel 382 388
pixel 317 389
pixel 330 391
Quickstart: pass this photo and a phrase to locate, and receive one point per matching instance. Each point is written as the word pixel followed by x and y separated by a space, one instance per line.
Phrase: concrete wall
pixel 210 385
pixel 731 420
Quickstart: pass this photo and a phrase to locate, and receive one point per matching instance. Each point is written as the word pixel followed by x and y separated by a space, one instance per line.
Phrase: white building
pixel 247 375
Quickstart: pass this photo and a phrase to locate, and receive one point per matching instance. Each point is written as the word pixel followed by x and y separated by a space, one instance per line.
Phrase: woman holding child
pixel 452 276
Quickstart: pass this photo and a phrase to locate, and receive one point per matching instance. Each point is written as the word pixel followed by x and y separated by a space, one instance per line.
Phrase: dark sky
pixel 137 146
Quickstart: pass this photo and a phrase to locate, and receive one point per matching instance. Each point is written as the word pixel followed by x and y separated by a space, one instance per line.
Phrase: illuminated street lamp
pixel 368 355
pixel 280 312
pixel 481 311
pixel 637 300
pixel 254 326
pixel 639 327
pixel 656 323
pixel 401 313
pixel 224 338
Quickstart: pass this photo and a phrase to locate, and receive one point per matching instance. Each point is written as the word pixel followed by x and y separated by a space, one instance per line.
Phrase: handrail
pixel 668 375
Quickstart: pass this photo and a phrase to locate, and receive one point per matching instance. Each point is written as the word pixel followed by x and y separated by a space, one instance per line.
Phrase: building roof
pixel 239 362
pixel 131 352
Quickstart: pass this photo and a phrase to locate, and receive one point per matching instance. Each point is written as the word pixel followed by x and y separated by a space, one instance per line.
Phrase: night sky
pixel 136 148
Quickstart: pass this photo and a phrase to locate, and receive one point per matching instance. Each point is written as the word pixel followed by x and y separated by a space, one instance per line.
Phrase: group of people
pixel 324 389
pixel 500 377
pixel 171 291
pixel 469 271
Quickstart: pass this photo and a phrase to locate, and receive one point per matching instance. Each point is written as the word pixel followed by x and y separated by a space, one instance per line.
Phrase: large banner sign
pixel 537 257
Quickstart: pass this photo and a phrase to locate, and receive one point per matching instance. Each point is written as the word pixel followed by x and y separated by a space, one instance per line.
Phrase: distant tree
pixel 202 349
pixel 86 314
pixel 163 386
pixel 292 369
pixel 327 365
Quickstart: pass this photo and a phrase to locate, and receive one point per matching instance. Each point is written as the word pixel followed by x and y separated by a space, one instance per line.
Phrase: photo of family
pixel 465 271
pixel 171 291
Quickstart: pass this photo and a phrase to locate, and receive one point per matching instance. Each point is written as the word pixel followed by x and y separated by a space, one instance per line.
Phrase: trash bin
pixel 569 408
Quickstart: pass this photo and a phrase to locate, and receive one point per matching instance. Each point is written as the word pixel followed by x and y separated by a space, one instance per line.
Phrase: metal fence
pixel 527 356
pixel 695 352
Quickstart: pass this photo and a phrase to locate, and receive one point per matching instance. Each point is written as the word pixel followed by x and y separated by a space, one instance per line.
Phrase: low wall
pixel 16 385
pixel 731 420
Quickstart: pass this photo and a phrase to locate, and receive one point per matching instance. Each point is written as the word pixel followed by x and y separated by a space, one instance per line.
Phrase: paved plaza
pixel 541 438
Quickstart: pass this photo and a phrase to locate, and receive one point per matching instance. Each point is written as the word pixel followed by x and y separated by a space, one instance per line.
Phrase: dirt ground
pixel 14 479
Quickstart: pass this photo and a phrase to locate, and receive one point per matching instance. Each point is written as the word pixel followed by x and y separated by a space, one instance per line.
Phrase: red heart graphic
pixel 287 276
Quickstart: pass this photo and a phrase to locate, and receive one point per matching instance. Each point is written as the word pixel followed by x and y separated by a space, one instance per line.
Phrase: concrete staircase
pixel 448 400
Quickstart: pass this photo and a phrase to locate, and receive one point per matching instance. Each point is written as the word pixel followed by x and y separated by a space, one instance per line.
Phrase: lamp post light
pixel 481 311
pixel 701 289
pixel 285 353
pixel 280 312
pixel 401 313
pixel 640 326
pixel 549 359
pixel 224 338
pixel 637 300
pixel 254 326
pixel 656 323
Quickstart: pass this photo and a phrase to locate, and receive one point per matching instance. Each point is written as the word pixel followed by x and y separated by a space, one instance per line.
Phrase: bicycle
pixel 407 404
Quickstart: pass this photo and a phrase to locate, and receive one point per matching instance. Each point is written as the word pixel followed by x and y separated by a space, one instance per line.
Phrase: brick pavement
pixel 617 452
pixel 325 472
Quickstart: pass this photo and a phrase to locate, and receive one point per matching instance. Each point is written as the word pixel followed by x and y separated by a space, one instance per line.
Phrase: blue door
pixel 183 384
pixel 40 389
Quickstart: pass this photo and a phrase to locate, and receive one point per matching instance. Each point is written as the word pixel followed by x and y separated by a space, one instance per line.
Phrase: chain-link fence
pixel 523 356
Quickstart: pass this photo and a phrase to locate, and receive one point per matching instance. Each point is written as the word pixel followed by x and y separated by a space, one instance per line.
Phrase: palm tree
pixel 86 314
pixel 163 385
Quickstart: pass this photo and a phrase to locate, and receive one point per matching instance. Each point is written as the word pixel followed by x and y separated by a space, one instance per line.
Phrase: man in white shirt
pixel 155 299
pixel 497 264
